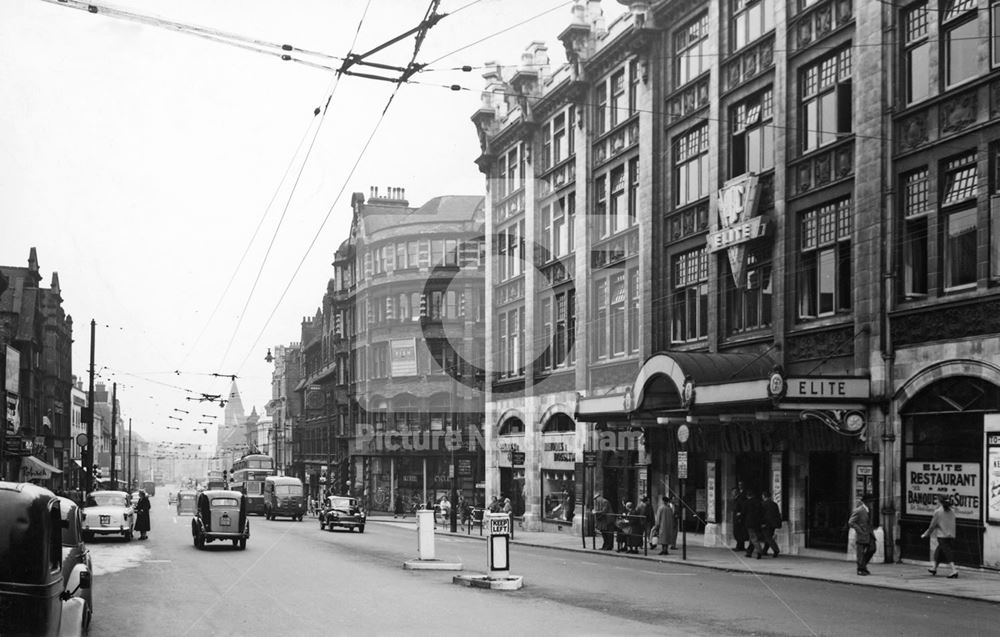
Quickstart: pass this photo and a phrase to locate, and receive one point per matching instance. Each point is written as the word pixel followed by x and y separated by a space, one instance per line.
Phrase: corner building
pixel 768 228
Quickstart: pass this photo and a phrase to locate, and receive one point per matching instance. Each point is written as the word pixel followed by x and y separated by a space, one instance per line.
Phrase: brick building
pixel 770 224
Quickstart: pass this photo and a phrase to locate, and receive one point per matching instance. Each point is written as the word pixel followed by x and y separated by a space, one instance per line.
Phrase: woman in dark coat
pixel 142 515
pixel 664 527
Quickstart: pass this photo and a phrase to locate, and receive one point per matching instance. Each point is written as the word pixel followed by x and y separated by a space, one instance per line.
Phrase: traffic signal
pixel 423 304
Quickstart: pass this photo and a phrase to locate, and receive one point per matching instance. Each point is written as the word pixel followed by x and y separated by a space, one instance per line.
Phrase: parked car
pixel 283 496
pixel 220 515
pixel 186 501
pixel 342 511
pixel 34 598
pixel 76 556
pixel 108 513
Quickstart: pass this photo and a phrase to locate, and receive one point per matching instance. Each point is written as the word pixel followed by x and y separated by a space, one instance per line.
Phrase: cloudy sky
pixel 139 160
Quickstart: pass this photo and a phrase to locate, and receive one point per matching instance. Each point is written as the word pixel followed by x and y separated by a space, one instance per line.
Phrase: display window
pixel 558 495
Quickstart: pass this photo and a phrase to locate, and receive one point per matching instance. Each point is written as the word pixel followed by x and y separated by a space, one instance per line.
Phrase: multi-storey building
pixel 37 420
pixel 391 391
pixel 282 410
pixel 774 230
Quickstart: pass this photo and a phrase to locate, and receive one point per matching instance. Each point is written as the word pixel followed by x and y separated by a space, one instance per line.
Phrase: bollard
pixel 425 534
pixel 498 575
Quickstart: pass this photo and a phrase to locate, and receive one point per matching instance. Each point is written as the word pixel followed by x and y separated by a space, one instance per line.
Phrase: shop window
pixel 558 495
pixel 749 302
pixel 753 134
pixel 510 343
pixel 959 212
pixel 512 427
pixel 751 19
pixel 691 57
pixel 917 53
pixel 691 176
pixel 960 41
pixel 689 306
pixel 916 210
pixel 826 100
pixel 824 261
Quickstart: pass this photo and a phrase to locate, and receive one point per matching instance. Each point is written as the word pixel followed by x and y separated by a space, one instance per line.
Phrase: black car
pixel 342 511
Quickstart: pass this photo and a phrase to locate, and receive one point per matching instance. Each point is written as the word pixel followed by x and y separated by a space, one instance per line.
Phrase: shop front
pixel 510 461
pixel 721 426
pixel 951 447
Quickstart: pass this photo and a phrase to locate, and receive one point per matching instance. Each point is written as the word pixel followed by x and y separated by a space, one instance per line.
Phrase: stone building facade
pixel 778 222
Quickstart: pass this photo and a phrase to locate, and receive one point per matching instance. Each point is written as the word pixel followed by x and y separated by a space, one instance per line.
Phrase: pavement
pixel 976 584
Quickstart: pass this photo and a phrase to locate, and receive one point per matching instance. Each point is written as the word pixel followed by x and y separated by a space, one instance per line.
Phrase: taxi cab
pixel 220 515
pixel 35 596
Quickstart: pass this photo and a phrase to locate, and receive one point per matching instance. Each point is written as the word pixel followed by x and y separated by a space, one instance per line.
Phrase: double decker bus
pixel 247 475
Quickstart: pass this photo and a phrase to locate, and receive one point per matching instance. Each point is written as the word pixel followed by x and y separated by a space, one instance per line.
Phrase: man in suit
pixel 604 521
pixel 861 522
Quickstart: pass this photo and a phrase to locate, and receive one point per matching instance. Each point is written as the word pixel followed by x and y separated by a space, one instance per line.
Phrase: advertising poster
pixel 924 481
pixel 776 487
pixel 710 489
pixel 993 485
pixel 404 357
pixel 12 381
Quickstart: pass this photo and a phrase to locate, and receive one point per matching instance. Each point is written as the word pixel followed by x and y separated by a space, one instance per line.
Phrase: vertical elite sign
pixel 737 223
pixel 925 481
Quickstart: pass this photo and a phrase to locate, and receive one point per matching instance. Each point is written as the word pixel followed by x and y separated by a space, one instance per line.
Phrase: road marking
pixel 157 561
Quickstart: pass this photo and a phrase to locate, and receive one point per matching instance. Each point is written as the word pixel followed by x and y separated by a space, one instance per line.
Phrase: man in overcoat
pixel 861 522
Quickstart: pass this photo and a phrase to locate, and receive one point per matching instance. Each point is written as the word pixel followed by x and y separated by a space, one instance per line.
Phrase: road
pixel 294 579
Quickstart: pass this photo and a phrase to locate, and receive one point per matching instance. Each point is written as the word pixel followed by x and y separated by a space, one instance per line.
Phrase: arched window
pixel 559 423
pixel 512 427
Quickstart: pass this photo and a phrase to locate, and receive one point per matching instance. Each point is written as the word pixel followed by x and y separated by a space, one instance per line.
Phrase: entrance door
pixel 827 501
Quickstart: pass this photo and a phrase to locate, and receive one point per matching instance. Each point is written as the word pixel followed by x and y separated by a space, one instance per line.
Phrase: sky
pixel 139 160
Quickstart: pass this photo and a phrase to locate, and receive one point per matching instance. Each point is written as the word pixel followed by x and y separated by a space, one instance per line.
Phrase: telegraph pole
pixel 114 432
pixel 88 453
pixel 128 471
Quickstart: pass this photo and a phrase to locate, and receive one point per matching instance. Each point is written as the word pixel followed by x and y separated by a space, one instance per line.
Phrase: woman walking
pixel 942 527
pixel 142 515
pixel 664 528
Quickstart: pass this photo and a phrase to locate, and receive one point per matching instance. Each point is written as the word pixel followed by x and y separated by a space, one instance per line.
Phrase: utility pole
pixel 88 454
pixel 128 471
pixel 114 432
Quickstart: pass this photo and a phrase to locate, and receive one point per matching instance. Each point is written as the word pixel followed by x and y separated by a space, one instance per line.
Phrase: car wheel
pixel 199 542
pixel 243 544
pixel 361 529
pixel 236 542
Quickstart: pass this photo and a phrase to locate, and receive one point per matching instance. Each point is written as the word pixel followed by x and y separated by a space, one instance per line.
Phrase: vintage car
pixel 342 511
pixel 186 501
pixel 108 513
pixel 283 496
pixel 34 594
pixel 76 556
pixel 220 515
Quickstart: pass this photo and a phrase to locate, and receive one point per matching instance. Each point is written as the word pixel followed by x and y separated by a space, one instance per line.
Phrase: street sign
pixel 500 526
pixel 590 458
pixel 517 458
pixel 682 465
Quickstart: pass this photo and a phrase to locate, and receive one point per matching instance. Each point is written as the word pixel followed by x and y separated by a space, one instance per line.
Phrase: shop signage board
pixel 12 380
pixel 710 490
pixel 827 388
pixel 404 357
pixel 924 481
pixel 517 458
pixel 590 458
pixel 682 465
pixel 465 466
pixel 993 477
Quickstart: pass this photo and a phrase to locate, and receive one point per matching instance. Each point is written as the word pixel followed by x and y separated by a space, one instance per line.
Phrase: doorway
pixel 827 503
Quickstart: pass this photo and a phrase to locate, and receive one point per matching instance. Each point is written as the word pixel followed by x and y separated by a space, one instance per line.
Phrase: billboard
pixel 13 367
pixel 404 357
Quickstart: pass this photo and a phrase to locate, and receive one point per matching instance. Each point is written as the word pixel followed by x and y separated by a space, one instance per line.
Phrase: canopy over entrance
pixel 33 468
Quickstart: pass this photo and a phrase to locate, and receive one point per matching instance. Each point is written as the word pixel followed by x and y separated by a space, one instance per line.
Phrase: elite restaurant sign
pixel 736 222
pixel 959 480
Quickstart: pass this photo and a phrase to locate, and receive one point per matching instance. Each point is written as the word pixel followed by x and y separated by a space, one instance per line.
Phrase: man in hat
pixel 861 522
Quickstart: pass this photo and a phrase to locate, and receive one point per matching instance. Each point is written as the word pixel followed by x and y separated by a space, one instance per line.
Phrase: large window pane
pixel 962 50
pixel 960 248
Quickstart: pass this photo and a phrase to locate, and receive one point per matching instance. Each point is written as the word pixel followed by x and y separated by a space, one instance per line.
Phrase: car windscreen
pixel 287 489
pixel 107 500
pixel 225 502
pixel 341 503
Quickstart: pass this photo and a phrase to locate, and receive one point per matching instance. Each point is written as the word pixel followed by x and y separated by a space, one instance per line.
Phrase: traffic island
pixel 431 565
pixel 495 583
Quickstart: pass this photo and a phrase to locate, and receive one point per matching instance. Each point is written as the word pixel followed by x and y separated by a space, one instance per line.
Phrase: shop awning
pixel 714 380
pixel 33 468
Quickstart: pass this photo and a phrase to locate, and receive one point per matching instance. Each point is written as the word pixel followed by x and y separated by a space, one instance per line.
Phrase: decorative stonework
pixel 691 220
pixel 688 100
pixel 615 249
pixel 958 112
pixel 822 168
pixel 818 21
pixel 749 63
pixel 912 131
pixel 623 138
pixel 820 344
pixel 558 272
pixel 510 291
pixel 947 323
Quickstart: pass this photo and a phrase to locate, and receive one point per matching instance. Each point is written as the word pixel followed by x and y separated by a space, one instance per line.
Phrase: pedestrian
pixel 604 522
pixel 861 522
pixel 663 528
pixel 494 505
pixel 737 505
pixel 753 517
pixel 770 521
pixel 142 515
pixel 645 511
pixel 397 507
pixel 942 527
